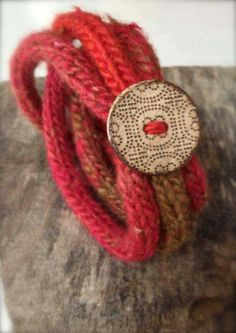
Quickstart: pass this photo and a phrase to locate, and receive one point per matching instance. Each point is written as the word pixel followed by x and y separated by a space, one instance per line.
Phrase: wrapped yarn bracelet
pixel 119 139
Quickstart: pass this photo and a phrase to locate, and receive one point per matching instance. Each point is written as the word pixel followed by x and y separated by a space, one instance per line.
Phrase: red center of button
pixel 155 127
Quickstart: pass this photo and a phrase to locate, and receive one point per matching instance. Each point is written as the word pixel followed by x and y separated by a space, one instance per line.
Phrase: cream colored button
pixel 152 101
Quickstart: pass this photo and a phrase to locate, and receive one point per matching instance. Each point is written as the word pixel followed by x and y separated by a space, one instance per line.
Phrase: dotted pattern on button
pixel 149 101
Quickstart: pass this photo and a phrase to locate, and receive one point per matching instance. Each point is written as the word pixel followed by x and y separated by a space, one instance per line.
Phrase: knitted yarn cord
pixel 132 215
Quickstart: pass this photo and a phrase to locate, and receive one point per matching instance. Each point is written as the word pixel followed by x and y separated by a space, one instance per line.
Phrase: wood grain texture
pixel 57 279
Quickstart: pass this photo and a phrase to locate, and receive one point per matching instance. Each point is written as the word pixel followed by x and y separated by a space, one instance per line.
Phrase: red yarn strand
pixel 116 203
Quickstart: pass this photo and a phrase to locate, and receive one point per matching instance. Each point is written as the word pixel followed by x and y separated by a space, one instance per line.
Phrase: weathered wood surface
pixel 57 279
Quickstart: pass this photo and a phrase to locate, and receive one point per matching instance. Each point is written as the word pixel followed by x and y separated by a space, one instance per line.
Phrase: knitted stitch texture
pixel 132 215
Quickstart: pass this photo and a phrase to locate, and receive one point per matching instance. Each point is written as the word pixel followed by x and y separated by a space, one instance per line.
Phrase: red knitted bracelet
pixel 132 214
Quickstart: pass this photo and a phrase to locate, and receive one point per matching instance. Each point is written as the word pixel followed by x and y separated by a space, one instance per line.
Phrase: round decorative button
pixel 153 126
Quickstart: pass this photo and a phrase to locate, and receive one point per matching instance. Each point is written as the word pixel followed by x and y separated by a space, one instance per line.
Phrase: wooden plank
pixel 57 279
